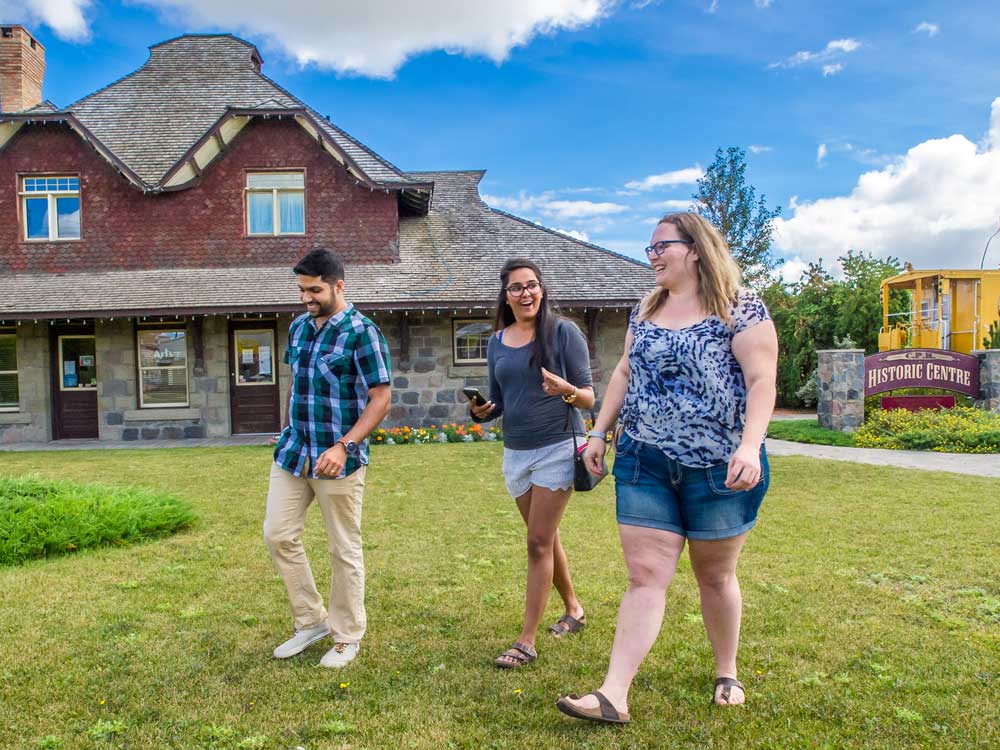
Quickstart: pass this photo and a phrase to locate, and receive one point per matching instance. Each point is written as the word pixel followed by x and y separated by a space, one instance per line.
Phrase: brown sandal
pixel 604 713
pixel 568 624
pixel 728 684
pixel 516 656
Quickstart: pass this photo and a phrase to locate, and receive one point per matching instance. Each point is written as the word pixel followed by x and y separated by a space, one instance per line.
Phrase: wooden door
pixel 253 382
pixel 74 383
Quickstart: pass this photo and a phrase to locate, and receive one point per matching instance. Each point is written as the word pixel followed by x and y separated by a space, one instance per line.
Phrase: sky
pixel 873 124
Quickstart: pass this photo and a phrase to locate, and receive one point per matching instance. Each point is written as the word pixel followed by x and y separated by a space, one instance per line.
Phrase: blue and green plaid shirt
pixel 332 370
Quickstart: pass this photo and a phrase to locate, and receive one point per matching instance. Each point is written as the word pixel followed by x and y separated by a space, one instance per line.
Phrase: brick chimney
pixel 22 69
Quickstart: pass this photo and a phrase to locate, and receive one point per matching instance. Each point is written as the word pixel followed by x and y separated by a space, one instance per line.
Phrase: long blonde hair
pixel 718 273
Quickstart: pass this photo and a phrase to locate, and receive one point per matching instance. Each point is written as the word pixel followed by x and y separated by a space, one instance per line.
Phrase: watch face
pixel 352 447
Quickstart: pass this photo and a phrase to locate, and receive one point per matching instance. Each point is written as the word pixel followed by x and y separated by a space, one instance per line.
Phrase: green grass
pixel 45 518
pixel 807 431
pixel 872 618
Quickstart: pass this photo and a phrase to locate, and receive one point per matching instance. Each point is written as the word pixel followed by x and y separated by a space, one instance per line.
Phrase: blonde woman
pixel 694 393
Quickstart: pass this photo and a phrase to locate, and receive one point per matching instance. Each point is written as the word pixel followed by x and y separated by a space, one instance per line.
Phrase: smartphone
pixel 474 395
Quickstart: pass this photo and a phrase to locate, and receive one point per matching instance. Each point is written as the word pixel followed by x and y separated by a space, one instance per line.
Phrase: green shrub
pixel 44 518
pixel 960 430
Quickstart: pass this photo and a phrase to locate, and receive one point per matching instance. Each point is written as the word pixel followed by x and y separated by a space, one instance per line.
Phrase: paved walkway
pixel 958 463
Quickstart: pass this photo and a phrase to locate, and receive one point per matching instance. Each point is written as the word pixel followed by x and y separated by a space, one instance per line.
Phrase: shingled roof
pixel 150 120
pixel 450 258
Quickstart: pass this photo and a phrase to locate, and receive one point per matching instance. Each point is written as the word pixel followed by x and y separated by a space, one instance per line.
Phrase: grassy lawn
pixel 807 431
pixel 872 618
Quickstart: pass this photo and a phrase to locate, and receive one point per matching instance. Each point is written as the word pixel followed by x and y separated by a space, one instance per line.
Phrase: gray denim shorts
pixel 550 467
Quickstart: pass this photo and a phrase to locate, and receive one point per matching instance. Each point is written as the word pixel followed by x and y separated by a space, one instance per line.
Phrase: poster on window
pixel 247 355
pixel 265 360
pixel 86 360
pixel 69 374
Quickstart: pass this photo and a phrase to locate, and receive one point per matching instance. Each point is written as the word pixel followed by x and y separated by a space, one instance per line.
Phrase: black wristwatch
pixel 350 446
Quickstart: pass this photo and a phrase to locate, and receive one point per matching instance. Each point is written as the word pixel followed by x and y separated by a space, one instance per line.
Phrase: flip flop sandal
pixel 605 713
pixel 516 656
pixel 729 683
pixel 572 625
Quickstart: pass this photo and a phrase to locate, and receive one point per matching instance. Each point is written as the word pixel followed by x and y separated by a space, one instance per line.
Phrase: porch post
pixel 841 402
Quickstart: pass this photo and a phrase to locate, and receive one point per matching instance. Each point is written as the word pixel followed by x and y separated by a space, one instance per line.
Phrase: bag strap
pixel 562 365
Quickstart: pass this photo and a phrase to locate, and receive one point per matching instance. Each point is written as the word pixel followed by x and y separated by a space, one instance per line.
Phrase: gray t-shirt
pixel 531 418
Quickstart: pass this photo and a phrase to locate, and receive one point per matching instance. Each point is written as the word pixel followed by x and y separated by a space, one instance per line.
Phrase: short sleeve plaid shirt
pixel 332 370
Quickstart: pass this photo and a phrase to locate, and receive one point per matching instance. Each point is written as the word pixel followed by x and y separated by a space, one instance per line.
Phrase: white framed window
pixel 77 362
pixel 253 351
pixel 9 395
pixel 276 203
pixel 50 208
pixel 469 341
pixel 163 371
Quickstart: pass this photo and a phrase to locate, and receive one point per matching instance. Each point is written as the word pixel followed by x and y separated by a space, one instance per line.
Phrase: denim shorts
pixel 655 491
pixel 550 467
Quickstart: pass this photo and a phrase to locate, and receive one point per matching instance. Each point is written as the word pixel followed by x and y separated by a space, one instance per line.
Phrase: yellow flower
pixel 517 691
pixel 344 684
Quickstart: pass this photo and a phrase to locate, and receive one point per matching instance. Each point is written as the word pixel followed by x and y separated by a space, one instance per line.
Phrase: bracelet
pixel 597 434
pixel 571 397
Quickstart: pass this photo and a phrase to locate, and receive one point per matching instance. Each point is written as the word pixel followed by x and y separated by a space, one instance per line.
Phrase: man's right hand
pixel 481 412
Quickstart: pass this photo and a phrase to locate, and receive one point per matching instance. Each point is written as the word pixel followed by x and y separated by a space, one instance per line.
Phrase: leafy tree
pixel 858 299
pixel 725 200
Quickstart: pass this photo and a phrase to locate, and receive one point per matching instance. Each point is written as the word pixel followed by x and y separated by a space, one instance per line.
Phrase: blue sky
pixel 871 122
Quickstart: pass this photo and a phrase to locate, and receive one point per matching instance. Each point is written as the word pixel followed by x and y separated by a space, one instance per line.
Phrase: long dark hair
pixel 545 321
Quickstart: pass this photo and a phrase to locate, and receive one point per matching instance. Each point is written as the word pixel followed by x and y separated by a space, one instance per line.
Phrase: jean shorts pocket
pixel 625 445
pixel 716 476
pixel 626 468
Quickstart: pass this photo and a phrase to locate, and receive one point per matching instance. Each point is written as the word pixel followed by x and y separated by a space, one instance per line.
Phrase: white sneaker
pixel 340 655
pixel 301 641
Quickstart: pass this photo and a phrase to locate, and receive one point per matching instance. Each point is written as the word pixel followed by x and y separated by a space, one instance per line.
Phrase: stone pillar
pixel 841 403
pixel 989 379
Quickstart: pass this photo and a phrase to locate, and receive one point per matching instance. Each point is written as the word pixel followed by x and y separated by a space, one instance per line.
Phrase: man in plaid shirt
pixel 338 394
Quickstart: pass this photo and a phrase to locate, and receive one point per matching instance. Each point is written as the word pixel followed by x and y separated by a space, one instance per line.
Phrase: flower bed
pixel 959 430
pixel 445 433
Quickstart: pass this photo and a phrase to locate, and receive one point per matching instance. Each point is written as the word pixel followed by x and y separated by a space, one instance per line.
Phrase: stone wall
pixel 841 402
pixel 31 422
pixel 989 379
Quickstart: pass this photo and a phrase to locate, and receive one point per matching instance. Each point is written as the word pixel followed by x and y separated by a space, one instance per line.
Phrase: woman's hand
pixel 593 456
pixel 744 468
pixel 554 385
pixel 481 412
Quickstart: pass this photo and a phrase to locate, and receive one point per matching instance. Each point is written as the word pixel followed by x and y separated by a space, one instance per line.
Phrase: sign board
pixel 922 368
pixel 918 403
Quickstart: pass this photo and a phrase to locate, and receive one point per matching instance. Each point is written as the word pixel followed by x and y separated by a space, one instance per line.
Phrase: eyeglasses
pixel 517 289
pixel 659 248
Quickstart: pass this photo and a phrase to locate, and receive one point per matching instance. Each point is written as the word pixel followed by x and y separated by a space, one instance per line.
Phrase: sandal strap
pixel 608 711
pixel 521 653
pixel 728 684
pixel 572 624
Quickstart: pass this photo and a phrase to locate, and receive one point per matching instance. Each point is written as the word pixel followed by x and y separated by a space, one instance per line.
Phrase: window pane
pixel 270 180
pixel 78 364
pixel 292 207
pixel 68 217
pixel 164 385
pixel 31 184
pixel 254 357
pixel 162 348
pixel 471 339
pixel 8 353
pixel 8 390
pixel 36 211
pixel 74 183
pixel 261 210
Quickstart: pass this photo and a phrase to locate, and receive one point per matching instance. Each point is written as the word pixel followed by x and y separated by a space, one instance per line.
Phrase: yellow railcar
pixel 948 309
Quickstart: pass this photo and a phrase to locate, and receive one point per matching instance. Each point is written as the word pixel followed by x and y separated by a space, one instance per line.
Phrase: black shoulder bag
pixel 583 480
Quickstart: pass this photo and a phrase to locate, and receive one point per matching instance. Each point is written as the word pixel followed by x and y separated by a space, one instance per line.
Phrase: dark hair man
pixel 338 394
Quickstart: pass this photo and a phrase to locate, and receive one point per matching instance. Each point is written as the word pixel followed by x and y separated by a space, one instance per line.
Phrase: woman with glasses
pixel 539 366
pixel 693 393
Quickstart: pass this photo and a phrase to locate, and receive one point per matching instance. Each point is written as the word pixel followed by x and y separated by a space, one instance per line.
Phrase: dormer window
pixel 276 203
pixel 50 208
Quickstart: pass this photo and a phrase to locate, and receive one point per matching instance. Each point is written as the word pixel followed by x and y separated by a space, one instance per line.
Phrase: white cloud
pixel 934 207
pixel 931 28
pixel 821 153
pixel 832 70
pixel 834 49
pixel 680 204
pixel 687 176
pixel 763 3
pixel 758 149
pixel 376 37
pixel 714 6
pixel 67 18
pixel 791 270
pixel 545 204
pixel 575 233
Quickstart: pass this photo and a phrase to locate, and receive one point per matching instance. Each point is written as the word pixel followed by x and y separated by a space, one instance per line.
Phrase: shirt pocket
pixel 334 367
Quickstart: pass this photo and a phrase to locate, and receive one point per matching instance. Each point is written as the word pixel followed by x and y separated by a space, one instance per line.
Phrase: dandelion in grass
pixel 344 685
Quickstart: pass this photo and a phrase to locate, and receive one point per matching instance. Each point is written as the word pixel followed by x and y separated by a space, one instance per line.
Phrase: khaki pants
pixel 288 499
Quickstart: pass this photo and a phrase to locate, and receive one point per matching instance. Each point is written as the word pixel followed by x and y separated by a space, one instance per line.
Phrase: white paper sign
pixel 248 356
pixel 265 360
pixel 69 367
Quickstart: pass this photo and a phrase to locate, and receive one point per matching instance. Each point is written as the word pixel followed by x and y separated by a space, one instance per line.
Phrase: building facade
pixel 147 236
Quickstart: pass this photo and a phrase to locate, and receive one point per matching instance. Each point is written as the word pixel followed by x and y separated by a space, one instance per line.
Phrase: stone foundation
pixel 841 389
pixel 989 379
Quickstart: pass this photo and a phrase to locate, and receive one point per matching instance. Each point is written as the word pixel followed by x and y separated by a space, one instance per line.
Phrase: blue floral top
pixel 686 393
